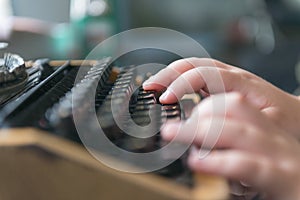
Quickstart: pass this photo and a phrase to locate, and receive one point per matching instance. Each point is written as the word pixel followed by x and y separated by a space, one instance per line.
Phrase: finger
pixel 237 188
pixel 166 76
pixel 232 79
pixel 220 134
pixel 212 79
pixel 234 165
pixel 229 105
pixel 234 125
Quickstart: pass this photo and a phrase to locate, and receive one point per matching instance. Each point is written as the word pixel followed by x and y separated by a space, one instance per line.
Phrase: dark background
pixel 260 36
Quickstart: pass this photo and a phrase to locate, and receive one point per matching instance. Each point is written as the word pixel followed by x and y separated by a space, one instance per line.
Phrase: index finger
pixel 166 76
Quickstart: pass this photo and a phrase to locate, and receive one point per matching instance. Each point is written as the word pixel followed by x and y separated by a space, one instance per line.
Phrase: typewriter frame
pixel 38 165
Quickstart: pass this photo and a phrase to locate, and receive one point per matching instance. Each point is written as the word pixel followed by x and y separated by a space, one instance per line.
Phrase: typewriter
pixel 42 155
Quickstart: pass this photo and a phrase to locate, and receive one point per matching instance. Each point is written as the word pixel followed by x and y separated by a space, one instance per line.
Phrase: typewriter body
pixel 42 155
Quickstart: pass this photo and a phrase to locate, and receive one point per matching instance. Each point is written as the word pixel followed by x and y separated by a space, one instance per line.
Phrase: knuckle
pixel 234 99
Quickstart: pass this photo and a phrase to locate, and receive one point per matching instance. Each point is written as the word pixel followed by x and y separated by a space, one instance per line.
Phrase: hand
pixel 209 76
pixel 251 148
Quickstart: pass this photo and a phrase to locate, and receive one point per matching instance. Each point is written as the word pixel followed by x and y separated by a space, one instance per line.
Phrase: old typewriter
pixel 42 155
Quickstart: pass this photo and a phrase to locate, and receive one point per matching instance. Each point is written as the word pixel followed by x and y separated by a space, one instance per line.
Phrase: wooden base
pixel 38 165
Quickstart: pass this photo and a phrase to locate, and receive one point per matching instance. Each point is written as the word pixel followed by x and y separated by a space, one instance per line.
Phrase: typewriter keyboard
pixel 49 102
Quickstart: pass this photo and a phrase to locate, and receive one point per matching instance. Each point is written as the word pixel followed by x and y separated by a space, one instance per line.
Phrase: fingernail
pixel 203 153
pixel 146 81
pixel 169 130
pixel 199 153
pixel 167 135
pixel 194 151
pixel 166 131
pixel 192 159
pixel 145 84
pixel 165 95
pixel 149 80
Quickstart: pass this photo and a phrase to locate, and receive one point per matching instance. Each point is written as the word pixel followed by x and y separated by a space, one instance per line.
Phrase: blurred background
pixel 262 36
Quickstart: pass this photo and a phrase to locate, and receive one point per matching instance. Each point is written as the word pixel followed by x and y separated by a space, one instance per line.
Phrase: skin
pixel 192 75
pixel 258 142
